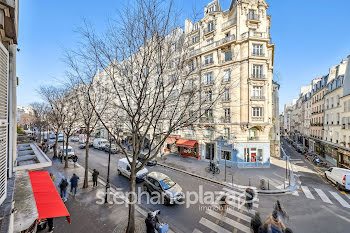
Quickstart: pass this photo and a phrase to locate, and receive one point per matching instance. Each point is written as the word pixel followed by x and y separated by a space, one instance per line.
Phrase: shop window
pixel 226 155
pixel 260 155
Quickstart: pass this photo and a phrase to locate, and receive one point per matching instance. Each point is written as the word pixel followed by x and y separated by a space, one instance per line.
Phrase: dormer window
pixel 211 8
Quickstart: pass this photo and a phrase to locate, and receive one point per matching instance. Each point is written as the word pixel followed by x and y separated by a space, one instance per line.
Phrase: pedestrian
pixel 74 184
pixel 288 230
pixel 275 223
pixel 223 204
pixel 53 178
pixel 75 160
pixel 256 223
pixel 50 223
pixel 151 223
pixel 63 188
pixel 280 211
pixel 95 177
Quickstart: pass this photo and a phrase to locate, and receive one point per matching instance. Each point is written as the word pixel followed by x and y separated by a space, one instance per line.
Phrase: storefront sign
pixel 226 147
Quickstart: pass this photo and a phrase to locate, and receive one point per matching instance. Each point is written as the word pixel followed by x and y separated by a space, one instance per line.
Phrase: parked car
pixel 339 176
pixel 123 168
pixel 82 146
pixel 60 137
pixel 74 139
pixel 113 148
pixel 99 143
pixel 167 188
pixel 62 151
pixel 150 163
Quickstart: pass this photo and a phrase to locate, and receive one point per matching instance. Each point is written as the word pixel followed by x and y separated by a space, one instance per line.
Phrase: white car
pixel 75 139
pixel 124 169
pixel 63 152
pixel 339 176
pixel 99 143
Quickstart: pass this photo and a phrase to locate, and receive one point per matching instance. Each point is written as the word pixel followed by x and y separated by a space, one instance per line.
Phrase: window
pixel 227 112
pixel 226 94
pixel 209 114
pixel 227 133
pixel 252 15
pixel 228 56
pixel 212 8
pixel 257 71
pixel 209 95
pixel 246 154
pixel 211 26
pixel 257 91
pixel 258 49
pixel 227 75
pixel 209 59
pixel 257 112
pixel 209 78
pixel 260 155
pixel 225 155
pixel 196 26
pixel 210 41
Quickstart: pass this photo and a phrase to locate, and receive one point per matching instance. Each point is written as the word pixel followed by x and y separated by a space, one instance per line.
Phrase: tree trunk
pixel 86 176
pixel 39 138
pixel 56 146
pixel 131 219
pixel 66 162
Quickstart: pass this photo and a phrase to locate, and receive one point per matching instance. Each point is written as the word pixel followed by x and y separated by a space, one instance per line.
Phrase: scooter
pixel 161 227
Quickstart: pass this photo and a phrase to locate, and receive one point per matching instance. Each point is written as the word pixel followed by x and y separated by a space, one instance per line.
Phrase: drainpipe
pixel 12 109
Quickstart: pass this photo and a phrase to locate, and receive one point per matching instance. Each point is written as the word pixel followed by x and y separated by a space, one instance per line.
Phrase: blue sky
pixel 309 36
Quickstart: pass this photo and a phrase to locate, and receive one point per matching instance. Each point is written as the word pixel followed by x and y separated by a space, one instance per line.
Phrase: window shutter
pixel 4 58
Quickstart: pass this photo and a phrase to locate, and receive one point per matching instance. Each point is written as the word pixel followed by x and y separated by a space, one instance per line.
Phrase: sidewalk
pixel 86 214
pixel 274 176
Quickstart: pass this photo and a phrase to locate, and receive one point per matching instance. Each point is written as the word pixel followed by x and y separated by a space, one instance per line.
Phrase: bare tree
pixel 152 84
pixel 54 96
pixel 40 109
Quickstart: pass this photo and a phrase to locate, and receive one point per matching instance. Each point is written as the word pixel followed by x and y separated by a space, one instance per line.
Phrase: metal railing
pixel 258 54
pixel 252 34
pixel 255 118
pixel 229 23
pixel 255 17
pixel 255 76
pixel 226 40
pixel 253 138
pixel 258 97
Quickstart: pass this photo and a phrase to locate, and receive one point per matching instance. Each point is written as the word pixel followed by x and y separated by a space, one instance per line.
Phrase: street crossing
pixel 236 218
pixel 329 197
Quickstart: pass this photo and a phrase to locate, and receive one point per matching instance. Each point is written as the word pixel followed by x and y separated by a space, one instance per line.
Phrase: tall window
pixel 257 91
pixel 211 26
pixel 227 132
pixel 252 15
pixel 227 75
pixel 258 49
pixel 195 39
pixel 227 114
pixel 209 95
pixel 209 78
pixel 209 114
pixel 257 71
pixel 257 112
pixel 210 41
pixel 196 26
pixel 209 59
pixel 226 94
pixel 228 56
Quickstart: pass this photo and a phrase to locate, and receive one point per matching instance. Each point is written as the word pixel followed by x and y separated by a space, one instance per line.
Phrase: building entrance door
pixel 209 151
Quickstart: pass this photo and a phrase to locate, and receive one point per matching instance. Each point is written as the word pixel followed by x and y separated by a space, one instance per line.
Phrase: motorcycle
pixel 212 167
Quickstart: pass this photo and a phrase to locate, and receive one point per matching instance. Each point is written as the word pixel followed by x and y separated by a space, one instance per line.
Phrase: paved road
pixel 318 202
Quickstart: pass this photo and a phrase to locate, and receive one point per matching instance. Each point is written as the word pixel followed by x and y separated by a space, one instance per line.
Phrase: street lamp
pixel 109 162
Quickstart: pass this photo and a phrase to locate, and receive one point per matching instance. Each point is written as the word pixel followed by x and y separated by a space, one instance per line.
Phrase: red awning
pixel 186 143
pixel 170 141
pixel 48 202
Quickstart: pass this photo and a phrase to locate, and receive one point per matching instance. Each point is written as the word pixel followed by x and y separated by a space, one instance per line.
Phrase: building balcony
pixel 257 118
pixel 253 17
pixel 226 60
pixel 226 40
pixel 253 138
pixel 253 34
pixel 194 52
pixel 207 120
pixel 257 98
pixel 258 54
pixel 225 120
pixel 209 30
pixel 205 64
pixel 259 77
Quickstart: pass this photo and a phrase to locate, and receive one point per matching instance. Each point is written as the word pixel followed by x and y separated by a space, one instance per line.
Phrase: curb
pixel 289 189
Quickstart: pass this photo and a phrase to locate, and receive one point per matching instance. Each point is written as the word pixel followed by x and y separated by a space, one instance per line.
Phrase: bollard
pixel 249 182
pixel 262 184
pixel 268 184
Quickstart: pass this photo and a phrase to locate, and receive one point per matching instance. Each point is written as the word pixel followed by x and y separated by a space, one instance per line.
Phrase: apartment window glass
pixel 252 15
pixel 210 26
pixel 227 94
pixel 257 91
pixel 258 49
pixel 196 26
pixel 257 111
pixel 195 39
pixel 209 96
pixel 227 75
pixel 257 71
pixel 228 56
pixel 210 41
pixel 260 155
pixel 209 78
pixel 227 112
pixel 209 59
pixel 227 132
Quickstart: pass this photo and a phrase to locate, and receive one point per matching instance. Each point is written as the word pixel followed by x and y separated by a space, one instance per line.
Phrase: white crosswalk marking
pixel 213 226
pixel 229 221
pixel 323 196
pixel 238 200
pixel 307 192
pixel 196 231
pixel 239 194
pixel 295 193
pixel 238 214
pixel 348 196
pixel 339 199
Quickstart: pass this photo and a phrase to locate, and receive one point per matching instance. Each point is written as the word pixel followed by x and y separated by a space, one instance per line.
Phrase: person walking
pixel 95 174
pixel 75 160
pixel 280 211
pixel 53 178
pixel 223 204
pixel 74 184
pixel 256 223
pixel 275 223
pixel 50 224
pixel 63 188
pixel 151 223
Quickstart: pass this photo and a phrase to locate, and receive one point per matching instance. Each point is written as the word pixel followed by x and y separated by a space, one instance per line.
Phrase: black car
pixel 142 158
